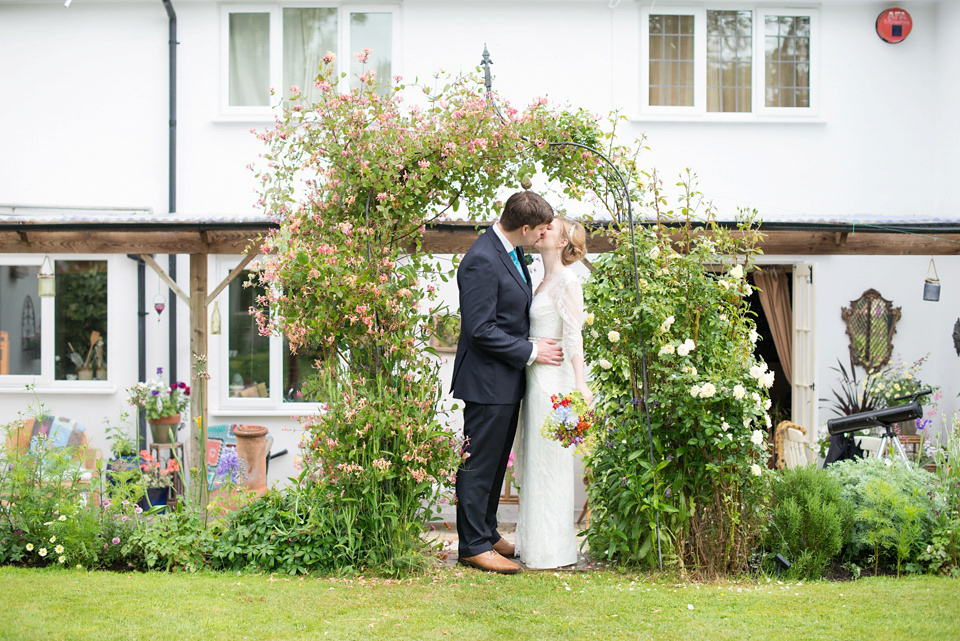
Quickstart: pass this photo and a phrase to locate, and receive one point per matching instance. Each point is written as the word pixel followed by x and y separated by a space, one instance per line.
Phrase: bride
pixel 545 528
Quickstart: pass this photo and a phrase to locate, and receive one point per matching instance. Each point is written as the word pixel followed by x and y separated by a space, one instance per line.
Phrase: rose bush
pixel 706 393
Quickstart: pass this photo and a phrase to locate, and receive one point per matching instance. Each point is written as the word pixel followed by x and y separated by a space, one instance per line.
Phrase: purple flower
pixel 668 492
pixel 155 392
pixel 159 371
pixel 105 503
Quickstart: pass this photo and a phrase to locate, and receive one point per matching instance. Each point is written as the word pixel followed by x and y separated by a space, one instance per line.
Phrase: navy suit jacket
pixel 494 325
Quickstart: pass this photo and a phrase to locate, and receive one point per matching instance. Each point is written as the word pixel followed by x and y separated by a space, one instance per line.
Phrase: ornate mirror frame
pixel 871 322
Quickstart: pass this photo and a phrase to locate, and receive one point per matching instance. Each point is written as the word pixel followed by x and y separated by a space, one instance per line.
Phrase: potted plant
pixel 163 405
pixel 158 479
pixel 122 443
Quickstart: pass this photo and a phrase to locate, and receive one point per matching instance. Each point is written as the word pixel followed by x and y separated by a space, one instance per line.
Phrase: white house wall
pixel 84 111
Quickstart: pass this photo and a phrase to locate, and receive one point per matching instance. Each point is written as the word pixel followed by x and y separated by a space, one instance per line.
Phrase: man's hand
pixel 549 352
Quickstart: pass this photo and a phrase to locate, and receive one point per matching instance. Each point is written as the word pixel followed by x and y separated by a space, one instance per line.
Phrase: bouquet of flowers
pixel 569 421
pixel 158 399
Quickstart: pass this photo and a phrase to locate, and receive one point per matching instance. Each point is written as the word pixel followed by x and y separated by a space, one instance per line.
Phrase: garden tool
pixel 94 337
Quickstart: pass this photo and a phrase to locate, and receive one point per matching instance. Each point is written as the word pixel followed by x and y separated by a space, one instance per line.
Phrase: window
pixel 697 62
pixel 260 370
pixel 282 46
pixel 51 340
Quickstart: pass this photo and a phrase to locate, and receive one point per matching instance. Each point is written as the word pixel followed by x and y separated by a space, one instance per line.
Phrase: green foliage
pixel 175 539
pixel 352 179
pixel 895 506
pixel 942 553
pixel 809 520
pixel 707 397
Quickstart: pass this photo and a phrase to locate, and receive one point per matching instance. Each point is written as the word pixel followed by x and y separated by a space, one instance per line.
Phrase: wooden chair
pixel 779 442
pixel 88 458
pixel 869 444
pixel 795 449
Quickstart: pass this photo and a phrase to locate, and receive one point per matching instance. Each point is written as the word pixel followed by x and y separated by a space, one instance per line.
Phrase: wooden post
pixel 198 347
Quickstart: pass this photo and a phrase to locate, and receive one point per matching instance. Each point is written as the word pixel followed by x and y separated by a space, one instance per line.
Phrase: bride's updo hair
pixel 576 236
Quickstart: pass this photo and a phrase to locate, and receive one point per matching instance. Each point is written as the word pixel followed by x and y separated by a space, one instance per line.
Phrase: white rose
pixel 654 252
pixel 766 404
pixel 613 336
pixel 594 334
pixel 757 437
pixel 683 350
pixel 695 391
pixel 725 426
pixel 754 336
pixel 767 380
pixel 667 349
pixel 737 272
pixel 604 363
pixel 665 325
pixel 689 344
pixel 723 317
pixel 756 372
pixel 739 391
pixel 729 437
pixel 707 390
pixel 756 398
pixel 590 319
pixel 755 470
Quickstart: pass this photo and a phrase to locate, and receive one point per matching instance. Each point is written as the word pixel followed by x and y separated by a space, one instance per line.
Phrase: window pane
pixel 308 34
pixel 729 58
pixel 248 352
pixel 671 61
pixel 249 60
pixel 372 31
pixel 787 51
pixel 80 320
pixel 297 368
pixel 19 320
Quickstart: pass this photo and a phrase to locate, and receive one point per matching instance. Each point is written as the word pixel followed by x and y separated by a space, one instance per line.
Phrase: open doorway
pixel 772 305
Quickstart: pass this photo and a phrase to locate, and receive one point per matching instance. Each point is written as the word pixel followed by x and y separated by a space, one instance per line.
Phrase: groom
pixel 488 373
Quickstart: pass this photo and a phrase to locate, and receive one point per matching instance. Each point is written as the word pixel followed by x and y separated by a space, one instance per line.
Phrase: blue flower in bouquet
pixel 569 421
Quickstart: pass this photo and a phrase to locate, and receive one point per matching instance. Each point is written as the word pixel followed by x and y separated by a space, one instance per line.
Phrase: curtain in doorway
pixel 775 299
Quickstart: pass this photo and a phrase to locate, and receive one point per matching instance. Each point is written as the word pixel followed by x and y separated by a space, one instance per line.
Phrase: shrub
pixel 894 506
pixel 809 520
pixel 707 400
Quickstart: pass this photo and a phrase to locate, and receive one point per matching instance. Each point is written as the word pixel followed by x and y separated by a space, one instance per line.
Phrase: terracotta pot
pixel 252 450
pixel 164 427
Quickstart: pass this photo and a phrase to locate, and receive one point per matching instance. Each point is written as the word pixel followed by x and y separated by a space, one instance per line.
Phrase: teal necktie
pixel 516 261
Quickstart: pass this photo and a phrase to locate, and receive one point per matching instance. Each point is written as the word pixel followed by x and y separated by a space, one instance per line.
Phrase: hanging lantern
pixel 47 279
pixel 159 304
pixel 931 286
pixel 215 321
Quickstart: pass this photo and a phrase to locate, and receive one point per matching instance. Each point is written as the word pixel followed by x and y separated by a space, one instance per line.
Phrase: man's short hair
pixel 525 208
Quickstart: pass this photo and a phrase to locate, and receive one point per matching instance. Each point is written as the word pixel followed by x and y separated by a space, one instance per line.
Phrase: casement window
pixel 54 341
pixel 257 372
pixel 277 46
pixel 722 62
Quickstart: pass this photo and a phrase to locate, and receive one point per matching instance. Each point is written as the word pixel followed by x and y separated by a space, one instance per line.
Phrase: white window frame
pixel 219 351
pixel 758 110
pixel 275 10
pixel 45 381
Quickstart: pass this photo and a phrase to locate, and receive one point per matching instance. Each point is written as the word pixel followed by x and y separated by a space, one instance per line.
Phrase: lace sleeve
pixel 569 303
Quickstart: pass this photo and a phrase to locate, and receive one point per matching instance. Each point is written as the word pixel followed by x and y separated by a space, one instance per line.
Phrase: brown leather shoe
pixel 490 561
pixel 504 547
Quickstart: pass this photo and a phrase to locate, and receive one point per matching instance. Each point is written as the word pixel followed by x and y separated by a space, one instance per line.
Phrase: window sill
pixel 272 412
pixel 738 119
pixel 61 387
pixel 263 118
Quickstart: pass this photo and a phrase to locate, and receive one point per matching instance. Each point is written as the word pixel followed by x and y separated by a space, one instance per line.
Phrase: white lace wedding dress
pixel 545 536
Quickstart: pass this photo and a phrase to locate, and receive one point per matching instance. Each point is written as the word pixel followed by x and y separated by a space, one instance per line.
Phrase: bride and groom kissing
pixel 518 347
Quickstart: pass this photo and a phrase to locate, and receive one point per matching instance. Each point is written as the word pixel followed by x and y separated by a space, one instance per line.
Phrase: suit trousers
pixel 489 430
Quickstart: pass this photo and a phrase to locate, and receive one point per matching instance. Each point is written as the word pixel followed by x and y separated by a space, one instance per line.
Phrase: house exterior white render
pixel 84 114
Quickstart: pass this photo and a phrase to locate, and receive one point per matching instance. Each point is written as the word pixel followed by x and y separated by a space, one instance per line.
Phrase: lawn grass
pixel 458 603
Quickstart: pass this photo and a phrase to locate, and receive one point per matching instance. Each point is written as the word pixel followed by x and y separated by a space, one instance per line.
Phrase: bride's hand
pixel 586 393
